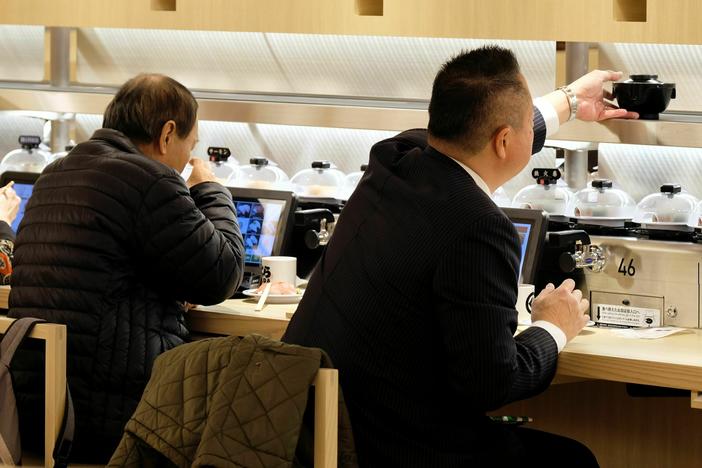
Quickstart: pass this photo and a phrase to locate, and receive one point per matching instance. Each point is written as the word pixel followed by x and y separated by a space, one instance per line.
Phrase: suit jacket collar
pixel 433 152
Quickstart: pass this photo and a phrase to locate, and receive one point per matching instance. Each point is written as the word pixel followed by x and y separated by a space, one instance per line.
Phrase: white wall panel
pixel 21 53
pixel 641 170
pixel 390 67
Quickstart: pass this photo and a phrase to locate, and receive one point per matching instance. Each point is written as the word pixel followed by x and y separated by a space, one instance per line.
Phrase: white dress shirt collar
pixel 478 180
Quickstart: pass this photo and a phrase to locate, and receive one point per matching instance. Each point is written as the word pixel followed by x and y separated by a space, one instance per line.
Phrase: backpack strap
pixel 14 336
pixel 64 441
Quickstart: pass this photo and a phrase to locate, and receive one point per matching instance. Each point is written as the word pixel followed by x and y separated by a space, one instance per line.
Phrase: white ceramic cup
pixel 278 268
pixel 523 306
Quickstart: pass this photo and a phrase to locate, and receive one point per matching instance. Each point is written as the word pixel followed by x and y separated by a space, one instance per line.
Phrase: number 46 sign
pixel 627 269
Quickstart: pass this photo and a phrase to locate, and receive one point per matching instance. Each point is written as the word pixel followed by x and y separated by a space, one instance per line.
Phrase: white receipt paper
pixel 649 333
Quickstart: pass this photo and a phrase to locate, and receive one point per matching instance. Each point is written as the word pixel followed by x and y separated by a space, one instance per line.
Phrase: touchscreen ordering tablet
pixel 531 227
pixel 266 219
pixel 23 185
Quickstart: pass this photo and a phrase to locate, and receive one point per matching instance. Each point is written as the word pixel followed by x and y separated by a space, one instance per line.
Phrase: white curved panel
pixel 21 53
pixel 641 170
pixel 390 67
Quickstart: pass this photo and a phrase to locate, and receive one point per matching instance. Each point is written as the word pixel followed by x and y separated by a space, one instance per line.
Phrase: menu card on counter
pixel 649 333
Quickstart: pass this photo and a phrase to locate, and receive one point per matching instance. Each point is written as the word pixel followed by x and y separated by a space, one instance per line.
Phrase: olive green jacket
pixel 227 402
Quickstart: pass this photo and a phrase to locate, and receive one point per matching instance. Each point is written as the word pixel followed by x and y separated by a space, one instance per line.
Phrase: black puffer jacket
pixel 112 243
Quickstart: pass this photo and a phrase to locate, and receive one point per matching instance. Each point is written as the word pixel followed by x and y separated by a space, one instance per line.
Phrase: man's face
pixel 179 149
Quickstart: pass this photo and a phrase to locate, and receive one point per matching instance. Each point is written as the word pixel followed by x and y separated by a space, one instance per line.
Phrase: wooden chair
pixel 54 335
pixel 326 418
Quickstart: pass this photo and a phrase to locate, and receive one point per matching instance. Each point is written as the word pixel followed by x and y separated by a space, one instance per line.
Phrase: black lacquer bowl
pixel 644 94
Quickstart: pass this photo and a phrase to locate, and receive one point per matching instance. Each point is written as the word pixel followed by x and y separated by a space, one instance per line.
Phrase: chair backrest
pixel 326 418
pixel 54 336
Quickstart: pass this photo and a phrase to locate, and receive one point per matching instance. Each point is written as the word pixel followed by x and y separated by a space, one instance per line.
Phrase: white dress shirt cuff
pixel 553 330
pixel 549 114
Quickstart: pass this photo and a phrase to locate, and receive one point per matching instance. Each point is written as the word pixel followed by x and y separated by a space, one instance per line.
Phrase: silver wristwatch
pixel 572 101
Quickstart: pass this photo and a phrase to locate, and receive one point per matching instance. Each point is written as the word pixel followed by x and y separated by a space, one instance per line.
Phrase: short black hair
pixel 145 103
pixel 474 94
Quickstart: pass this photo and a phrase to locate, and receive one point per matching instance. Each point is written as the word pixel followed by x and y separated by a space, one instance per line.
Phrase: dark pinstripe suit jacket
pixel 414 302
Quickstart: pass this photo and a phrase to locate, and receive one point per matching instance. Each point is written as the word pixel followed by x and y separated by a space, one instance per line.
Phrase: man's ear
pixel 168 132
pixel 501 140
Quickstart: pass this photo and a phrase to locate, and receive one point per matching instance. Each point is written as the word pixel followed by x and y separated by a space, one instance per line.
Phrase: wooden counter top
pixel 596 354
pixel 238 317
pixel 674 361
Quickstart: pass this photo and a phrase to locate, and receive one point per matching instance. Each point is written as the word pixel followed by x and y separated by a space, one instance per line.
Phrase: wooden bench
pixel 54 336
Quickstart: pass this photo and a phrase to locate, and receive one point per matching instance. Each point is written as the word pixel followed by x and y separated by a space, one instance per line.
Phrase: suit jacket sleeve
pixel 417 137
pixel 476 289
pixel 190 242
pixel 539 132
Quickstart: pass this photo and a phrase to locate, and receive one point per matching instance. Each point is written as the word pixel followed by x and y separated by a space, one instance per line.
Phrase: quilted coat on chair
pixel 111 244
pixel 225 402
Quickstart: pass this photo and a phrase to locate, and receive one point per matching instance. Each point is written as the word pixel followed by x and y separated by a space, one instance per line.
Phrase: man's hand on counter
pixel 563 306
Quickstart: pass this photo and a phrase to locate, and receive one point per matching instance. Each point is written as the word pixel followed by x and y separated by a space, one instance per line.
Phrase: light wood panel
pixel 237 317
pixel 326 418
pixel 566 20
pixel 622 431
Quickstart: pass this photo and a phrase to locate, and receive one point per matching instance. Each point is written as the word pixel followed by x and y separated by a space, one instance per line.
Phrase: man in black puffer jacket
pixel 113 244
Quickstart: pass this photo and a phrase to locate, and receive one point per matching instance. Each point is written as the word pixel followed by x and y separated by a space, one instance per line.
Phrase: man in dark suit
pixel 414 298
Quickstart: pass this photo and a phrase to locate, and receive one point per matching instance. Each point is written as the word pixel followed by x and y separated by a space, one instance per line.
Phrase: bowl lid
pixel 644 79
pixel 550 198
pixel 670 205
pixel 257 171
pixel 323 179
pixel 25 160
pixel 602 200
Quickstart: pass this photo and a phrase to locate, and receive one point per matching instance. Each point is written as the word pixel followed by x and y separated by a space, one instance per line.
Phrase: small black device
pixel 218 154
pixel 24 185
pixel 266 219
pixel 531 226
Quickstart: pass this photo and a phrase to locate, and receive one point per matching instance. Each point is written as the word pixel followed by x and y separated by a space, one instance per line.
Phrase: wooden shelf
pixel 671 130
pixel 658 21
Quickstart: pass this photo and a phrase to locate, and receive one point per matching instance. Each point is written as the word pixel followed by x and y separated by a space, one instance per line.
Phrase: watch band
pixel 572 101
